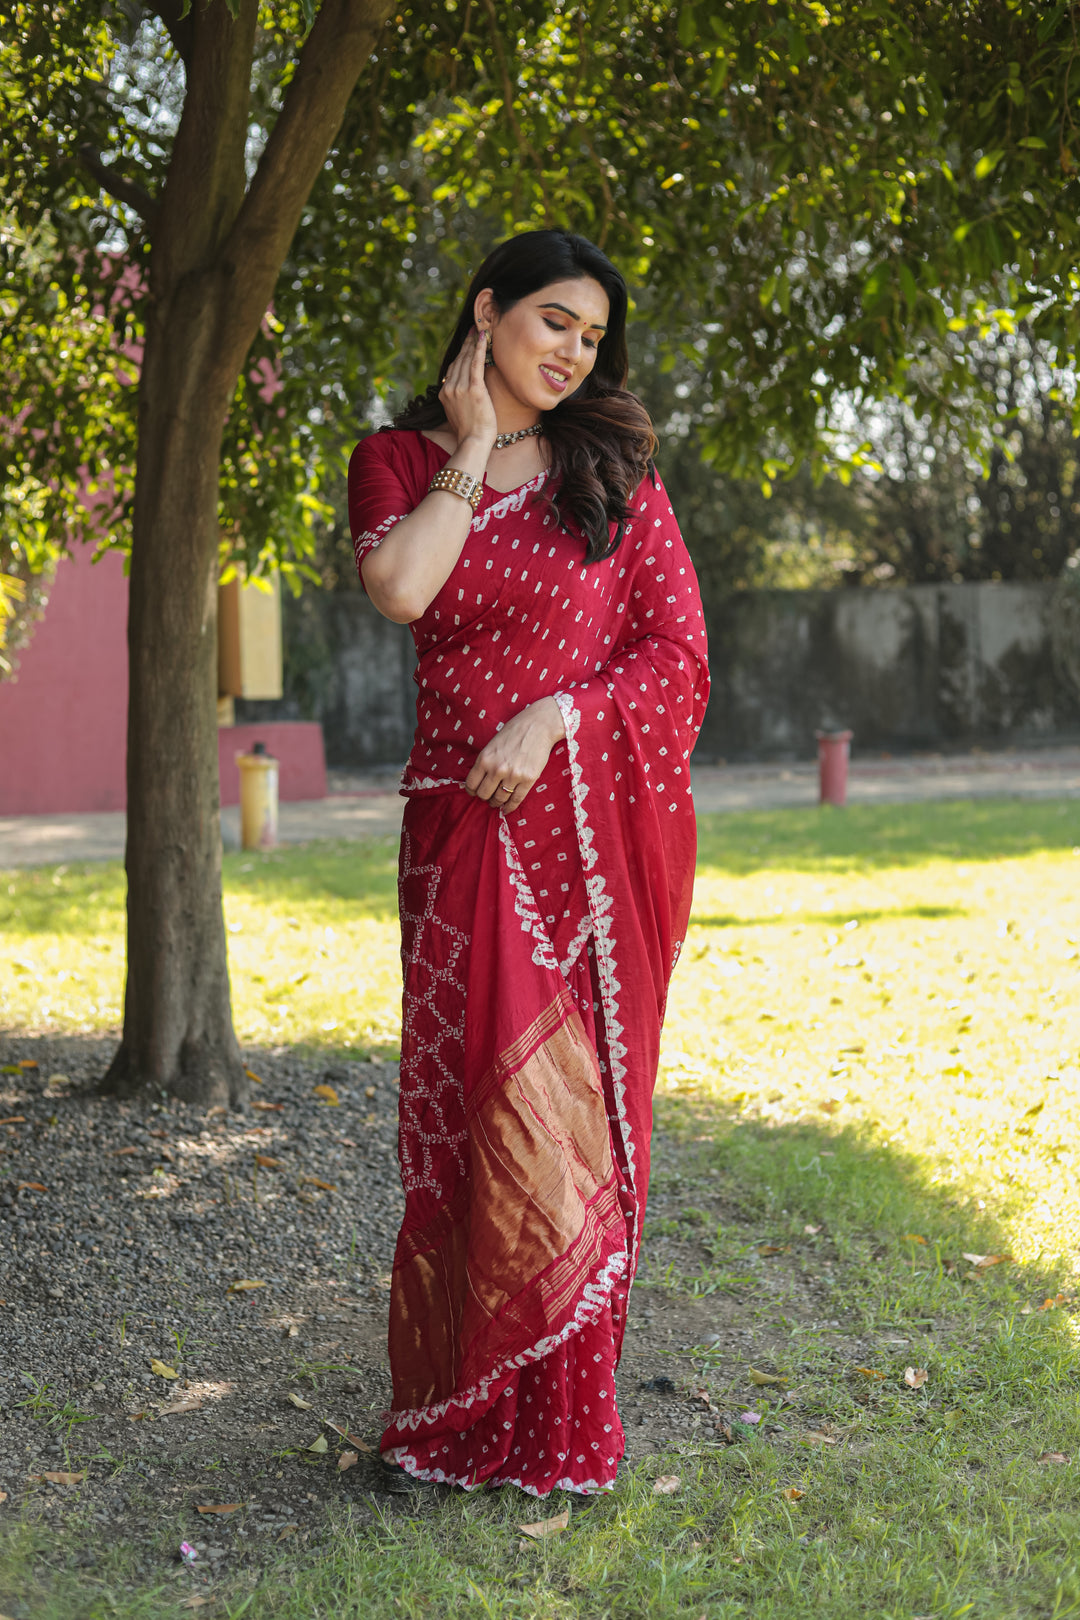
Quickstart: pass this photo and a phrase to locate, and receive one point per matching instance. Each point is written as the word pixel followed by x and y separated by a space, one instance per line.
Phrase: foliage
pixel 820 206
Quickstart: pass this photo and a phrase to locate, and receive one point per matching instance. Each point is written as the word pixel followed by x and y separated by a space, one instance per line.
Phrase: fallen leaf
pixel 60 1478
pixel 915 1377
pixel 319 1445
pixel 267 1107
pixel 763 1378
pixel 1052 1304
pixel 981 1261
pixel 774 1248
pixel 361 1445
pixel 666 1485
pixel 162 1369
pixel 57 1079
pixel 30 1186
pixel 811 1231
pixel 369 1092
pixel 546 1527
pixel 265 1162
pixel 14 1119
pixel 1053 1457
pixel 817 1438
pixel 299 1401
pixel 792 1494
pixel 293 1333
pixel 328 1095
pixel 3 1496
pixel 869 1372
pixel 185 1403
pixel 313 1181
pixel 224 1507
pixel 347 1141
pixel 289 1530
pixel 913 1237
pixel 348 1459
pixel 195 1602
pixel 244 1285
pixel 124 1152
pixel 28 1063
pixel 218 1108
pixel 253 1076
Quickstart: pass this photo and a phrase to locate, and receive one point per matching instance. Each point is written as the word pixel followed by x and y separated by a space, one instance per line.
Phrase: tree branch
pixel 340 42
pixel 125 191
pixel 179 28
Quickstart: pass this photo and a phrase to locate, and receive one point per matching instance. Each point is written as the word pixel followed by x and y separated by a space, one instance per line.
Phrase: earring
pixel 489 358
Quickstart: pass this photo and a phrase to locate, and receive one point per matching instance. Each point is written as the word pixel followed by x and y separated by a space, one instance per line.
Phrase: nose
pixel 569 345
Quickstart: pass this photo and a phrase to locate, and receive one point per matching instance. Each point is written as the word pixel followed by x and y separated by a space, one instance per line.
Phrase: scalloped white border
pixel 600 904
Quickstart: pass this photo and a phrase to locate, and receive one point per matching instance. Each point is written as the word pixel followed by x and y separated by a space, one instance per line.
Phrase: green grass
pixel 874 1031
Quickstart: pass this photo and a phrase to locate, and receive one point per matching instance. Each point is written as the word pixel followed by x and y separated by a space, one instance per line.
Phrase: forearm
pixel 405 573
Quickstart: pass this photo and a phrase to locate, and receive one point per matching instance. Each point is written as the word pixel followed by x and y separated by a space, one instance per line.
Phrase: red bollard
pixel 833 748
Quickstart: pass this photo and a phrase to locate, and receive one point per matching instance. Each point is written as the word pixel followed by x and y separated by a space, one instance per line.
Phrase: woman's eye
pixel 590 345
pixel 554 325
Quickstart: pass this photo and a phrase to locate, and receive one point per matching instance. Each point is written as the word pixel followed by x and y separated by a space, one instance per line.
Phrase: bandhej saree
pixel 537 947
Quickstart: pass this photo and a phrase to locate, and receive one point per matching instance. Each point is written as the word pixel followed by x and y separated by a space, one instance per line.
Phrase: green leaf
pixel 988 163
pixel 687 27
pixel 875 286
pixel 1033 142
pixel 908 285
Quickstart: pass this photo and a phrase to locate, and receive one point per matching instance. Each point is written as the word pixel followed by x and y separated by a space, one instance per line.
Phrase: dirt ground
pixel 189 1303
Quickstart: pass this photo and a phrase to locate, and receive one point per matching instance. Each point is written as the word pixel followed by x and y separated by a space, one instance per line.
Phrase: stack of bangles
pixel 456 482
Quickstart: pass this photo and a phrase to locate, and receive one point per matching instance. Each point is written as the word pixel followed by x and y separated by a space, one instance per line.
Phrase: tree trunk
pixel 216 252
pixel 178 1034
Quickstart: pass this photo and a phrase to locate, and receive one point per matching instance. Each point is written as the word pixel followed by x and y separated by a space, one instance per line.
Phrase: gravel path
pixel 127 1232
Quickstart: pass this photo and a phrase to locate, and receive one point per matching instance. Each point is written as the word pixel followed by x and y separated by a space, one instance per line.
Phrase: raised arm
pixel 406 571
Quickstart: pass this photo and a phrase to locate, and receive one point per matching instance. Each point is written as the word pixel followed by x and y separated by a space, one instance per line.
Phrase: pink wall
pixel 63 720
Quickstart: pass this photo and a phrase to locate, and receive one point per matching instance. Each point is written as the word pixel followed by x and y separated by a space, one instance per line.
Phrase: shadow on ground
pixel 871 836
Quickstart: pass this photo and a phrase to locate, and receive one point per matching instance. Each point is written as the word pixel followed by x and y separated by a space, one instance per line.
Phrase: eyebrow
pixel 594 326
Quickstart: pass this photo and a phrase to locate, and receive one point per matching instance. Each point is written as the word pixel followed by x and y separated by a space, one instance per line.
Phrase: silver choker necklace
pixel 522 433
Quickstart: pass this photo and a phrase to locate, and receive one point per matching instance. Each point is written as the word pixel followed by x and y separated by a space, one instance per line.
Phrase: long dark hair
pixel 601 438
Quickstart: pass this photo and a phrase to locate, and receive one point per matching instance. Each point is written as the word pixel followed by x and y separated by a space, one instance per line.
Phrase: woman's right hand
pixel 464 394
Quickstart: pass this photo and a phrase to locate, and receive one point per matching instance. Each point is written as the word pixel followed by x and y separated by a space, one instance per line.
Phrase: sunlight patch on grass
pixel 931 1009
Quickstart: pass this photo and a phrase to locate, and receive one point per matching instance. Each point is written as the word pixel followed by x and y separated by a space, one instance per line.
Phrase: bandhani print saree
pixel 537 949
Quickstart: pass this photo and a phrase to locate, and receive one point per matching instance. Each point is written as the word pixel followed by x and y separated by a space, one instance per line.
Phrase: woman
pixel 512 518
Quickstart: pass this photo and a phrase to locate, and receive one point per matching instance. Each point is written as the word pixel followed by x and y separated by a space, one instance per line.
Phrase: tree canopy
pixel 818 206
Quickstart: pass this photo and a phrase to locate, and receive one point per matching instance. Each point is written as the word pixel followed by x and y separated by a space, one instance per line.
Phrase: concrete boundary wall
pixel 918 667
pixel 922 666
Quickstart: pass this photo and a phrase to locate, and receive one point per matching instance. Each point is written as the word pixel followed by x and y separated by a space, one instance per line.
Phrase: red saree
pixel 537 949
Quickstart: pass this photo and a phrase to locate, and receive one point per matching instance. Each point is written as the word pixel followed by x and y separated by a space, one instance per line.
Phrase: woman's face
pixel 544 345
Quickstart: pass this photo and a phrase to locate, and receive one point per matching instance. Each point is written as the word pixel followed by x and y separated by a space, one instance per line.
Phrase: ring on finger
pixel 502 788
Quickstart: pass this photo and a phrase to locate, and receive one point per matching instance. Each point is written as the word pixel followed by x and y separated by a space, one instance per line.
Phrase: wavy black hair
pixel 601 438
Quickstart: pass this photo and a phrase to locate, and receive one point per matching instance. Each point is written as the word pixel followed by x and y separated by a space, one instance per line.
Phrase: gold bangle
pixel 456 482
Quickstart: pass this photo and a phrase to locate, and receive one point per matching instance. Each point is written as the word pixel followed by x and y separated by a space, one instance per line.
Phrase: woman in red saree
pixel 513 518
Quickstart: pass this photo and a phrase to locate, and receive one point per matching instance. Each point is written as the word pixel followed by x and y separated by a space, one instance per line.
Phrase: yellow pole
pixel 258 798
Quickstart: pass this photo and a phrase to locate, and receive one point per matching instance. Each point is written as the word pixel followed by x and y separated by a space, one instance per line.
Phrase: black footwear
pixel 396 1480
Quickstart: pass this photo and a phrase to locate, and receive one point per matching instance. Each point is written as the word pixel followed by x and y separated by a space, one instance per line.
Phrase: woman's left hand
pixel 507 767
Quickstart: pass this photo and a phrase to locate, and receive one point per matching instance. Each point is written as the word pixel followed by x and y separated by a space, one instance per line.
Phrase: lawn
pixel 872 1061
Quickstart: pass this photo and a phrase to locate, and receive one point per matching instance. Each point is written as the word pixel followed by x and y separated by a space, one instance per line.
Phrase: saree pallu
pixel 537 949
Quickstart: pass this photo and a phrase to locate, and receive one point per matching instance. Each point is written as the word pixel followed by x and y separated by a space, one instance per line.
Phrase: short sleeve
pixel 379 494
